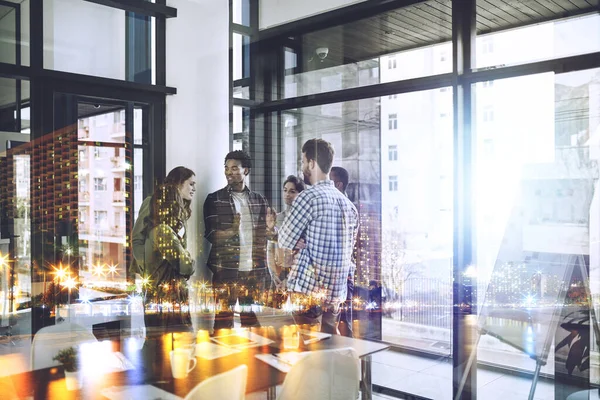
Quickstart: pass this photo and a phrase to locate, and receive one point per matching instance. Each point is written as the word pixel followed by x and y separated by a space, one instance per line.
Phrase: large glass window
pixel 537 201
pixel 408 177
pixel 102 225
pixel 537 41
pixel 405 43
pixel 109 42
pixel 14 32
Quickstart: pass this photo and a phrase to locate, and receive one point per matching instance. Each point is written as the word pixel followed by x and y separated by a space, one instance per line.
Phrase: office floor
pixel 432 379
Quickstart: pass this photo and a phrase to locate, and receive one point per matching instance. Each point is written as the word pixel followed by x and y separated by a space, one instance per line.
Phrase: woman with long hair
pixel 167 263
pixel 185 180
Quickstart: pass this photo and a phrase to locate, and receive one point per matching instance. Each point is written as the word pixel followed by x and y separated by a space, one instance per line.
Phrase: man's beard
pixel 306 178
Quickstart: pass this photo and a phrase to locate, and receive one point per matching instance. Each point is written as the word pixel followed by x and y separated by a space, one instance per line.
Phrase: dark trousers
pixel 326 316
pixel 230 286
pixel 346 314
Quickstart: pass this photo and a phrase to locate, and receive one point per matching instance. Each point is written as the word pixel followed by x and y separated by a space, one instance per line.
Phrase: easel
pixel 520 341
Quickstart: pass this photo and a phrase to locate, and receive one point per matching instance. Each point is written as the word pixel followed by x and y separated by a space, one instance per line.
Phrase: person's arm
pixel 212 230
pixel 138 238
pixel 167 245
pixel 295 223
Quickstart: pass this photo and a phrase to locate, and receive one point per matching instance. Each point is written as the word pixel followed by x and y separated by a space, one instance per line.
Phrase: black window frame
pixel 45 82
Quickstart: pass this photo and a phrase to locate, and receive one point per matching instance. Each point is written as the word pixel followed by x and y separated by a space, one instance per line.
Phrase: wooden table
pixel 152 366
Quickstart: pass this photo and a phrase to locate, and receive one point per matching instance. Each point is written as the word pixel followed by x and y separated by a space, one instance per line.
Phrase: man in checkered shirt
pixel 326 222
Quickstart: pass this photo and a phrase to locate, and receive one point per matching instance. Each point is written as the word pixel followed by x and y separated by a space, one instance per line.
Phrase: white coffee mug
pixel 180 363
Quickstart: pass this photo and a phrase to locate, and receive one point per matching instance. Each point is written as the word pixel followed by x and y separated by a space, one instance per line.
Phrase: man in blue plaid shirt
pixel 326 222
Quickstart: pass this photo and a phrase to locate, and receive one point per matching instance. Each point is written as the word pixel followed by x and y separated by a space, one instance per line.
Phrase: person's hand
pixel 271 218
pixel 235 224
pixel 300 244
pixel 226 234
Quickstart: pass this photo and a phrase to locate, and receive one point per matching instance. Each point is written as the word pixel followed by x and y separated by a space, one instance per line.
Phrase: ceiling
pixel 85 110
pixel 430 22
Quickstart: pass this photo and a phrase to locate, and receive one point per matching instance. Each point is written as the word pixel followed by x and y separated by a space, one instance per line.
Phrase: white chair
pixel 230 385
pixel 327 374
pixel 49 340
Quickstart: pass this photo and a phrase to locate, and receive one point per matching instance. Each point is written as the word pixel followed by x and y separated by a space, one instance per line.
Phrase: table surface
pixel 152 366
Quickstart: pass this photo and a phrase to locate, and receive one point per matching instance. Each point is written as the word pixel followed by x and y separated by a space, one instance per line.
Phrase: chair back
pixel 228 385
pixel 328 375
pixel 49 340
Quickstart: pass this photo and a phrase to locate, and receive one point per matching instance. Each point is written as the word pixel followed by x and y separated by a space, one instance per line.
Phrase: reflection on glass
pixel 98 48
pixel 15 240
pixel 241 12
pixel 102 171
pixel 138 180
pixel 417 219
pixel 401 182
pixel 537 224
pixel 241 92
pixel 241 56
pixel 14 48
pixel 539 42
pixel 107 128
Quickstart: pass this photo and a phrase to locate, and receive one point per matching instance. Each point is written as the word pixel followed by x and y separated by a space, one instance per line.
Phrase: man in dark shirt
pixel 340 178
pixel 234 220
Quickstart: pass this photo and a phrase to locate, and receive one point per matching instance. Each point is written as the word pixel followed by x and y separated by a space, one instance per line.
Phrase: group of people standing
pixel 315 236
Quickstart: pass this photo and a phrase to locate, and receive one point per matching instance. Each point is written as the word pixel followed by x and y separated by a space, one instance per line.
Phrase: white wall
pixel 277 12
pixel 198 116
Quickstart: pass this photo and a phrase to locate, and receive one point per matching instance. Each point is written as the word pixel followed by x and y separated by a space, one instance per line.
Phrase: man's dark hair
pixel 320 151
pixel 240 155
pixel 298 184
pixel 342 175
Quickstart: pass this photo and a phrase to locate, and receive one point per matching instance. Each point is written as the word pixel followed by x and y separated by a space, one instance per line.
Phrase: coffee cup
pixel 182 362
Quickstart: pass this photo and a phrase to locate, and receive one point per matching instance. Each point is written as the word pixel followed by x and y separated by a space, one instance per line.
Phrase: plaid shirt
pixel 219 210
pixel 328 221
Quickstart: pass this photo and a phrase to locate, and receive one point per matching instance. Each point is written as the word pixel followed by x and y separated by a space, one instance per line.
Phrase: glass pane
pixel 107 44
pixel 138 180
pixel 140 28
pixel 238 144
pixel 14 32
pixel 102 210
pixel 241 56
pixel 537 224
pixel 555 39
pixel 241 92
pixel 15 243
pixel 138 126
pixel 398 151
pixel 8 101
pixel 404 43
pixel 241 119
pixel 241 12
pixel 101 123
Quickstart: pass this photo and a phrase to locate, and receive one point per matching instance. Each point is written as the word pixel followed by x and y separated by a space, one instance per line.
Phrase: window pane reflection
pixel 401 182
pixel 537 222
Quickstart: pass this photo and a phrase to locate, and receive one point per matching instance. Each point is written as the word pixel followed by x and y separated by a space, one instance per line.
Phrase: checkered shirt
pixel 328 222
